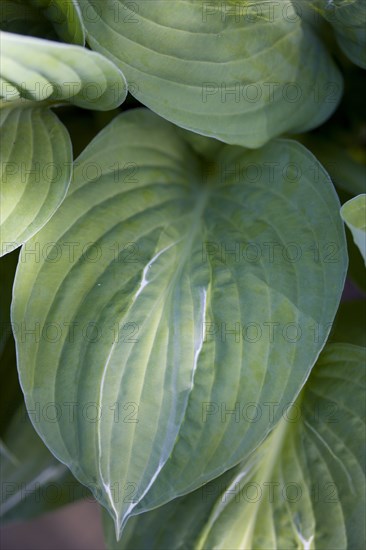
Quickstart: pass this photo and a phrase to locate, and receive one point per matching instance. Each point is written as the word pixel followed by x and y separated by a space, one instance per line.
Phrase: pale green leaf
pixel 35 168
pixel 242 78
pixel 36 155
pixel 348 18
pixel 304 487
pixel 135 301
pixel 42 70
pixel 353 214
pixel 40 17
pixel 33 481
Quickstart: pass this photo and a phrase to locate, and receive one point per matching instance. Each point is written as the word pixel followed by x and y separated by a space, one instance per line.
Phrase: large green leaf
pixel 40 17
pixel 33 481
pixel 36 154
pixel 348 18
pixel 242 79
pixel 304 487
pixel 138 298
pixel 353 213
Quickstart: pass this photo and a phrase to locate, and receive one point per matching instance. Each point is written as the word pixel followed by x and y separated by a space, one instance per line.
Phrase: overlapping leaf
pixel 177 287
pixel 40 70
pixel 304 487
pixel 354 215
pixel 201 65
pixel 36 154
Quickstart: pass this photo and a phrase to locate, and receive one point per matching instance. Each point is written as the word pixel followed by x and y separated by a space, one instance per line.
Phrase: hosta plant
pixel 173 262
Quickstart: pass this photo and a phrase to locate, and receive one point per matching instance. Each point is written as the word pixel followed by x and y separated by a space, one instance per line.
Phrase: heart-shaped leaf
pixel 353 213
pixel 201 65
pixel 170 289
pixel 36 154
pixel 304 487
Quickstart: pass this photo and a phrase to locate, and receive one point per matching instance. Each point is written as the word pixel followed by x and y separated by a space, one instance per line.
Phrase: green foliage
pixel 207 71
pixel 304 487
pixel 182 213
pixel 178 281
pixel 36 155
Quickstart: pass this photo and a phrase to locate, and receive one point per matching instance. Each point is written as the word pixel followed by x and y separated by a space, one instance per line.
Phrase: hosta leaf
pixel 42 70
pixel 33 481
pixel 135 299
pixel 35 17
pixel 304 487
pixel 36 161
pixel 36 154
pixel 348 18
pixel 235 77
pixel 354 215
